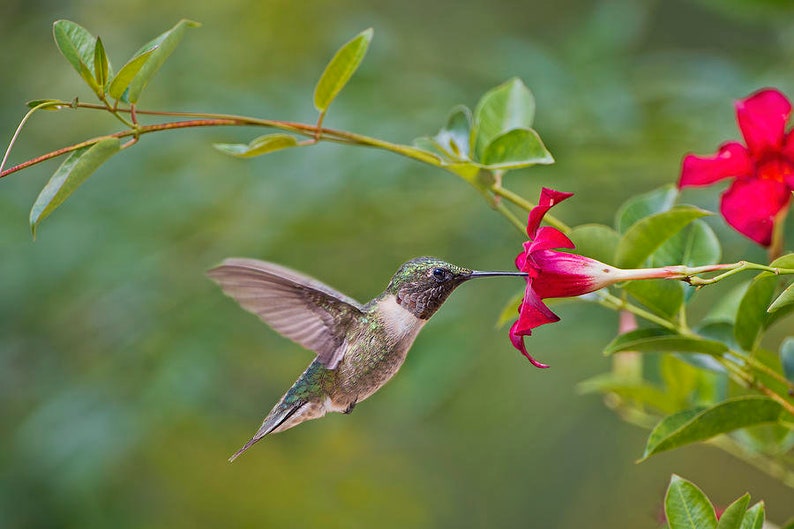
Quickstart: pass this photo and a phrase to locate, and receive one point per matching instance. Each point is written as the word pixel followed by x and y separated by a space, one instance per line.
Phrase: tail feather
pixel 280 415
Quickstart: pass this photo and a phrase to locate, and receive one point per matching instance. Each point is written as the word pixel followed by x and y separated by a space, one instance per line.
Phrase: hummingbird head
pixel 422 285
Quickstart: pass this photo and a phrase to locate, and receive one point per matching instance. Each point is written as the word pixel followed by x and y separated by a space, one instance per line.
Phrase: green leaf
pixel 504 108
pixel 752 317
pixel 663 296
pixel 646 235
pixel 77 45
pixel 662 340
pixel 726 307
pixel 687 507
pixel 639 392
pixel 121 81
pixel 72 172
pixel 733 515
pixel 701 424
pixel 48 104
pixel 258 146
pixel 695 245
pixel 159 50
pixel 596 241
pixel 515 149
pixel 787 358
pixel 783 300
pixel 754 517
pixel 641 206
pixel 341 68
pixel 454 138
pixel 101 65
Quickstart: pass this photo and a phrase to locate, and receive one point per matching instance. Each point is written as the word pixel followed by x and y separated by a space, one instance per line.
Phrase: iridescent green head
pixel 423 284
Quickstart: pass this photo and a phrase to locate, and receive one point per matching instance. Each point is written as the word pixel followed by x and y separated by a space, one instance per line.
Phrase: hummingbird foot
pixel 350 407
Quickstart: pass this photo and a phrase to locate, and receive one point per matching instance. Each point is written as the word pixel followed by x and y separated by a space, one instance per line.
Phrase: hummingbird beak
pixel 478 273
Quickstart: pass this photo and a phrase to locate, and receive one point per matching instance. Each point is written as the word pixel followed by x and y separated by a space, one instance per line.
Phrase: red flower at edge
pixel 763 171
pixel 555 274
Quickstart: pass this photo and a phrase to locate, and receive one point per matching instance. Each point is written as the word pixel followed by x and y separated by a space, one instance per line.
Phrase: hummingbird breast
pixel 376 350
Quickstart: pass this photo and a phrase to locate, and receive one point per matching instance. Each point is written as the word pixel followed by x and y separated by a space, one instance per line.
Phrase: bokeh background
pixel 127 378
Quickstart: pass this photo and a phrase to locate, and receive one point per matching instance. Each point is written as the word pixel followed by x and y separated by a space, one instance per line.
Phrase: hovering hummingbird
pixel 359 347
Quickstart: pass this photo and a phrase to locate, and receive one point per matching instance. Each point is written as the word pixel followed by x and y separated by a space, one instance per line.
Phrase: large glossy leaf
pixel 687 507
pixel 649 233
pixel 515 149
pixel 596 241
pixel 662 340
pixel 733 515
pixel 72 172
pixel 158 50
pixel 641 206
pixel 695 245
pixel 504 108
pixel 340 69
pixel 751 316
pixel 754 517
pixel 701 424
pixel 258 146
pixel 77 45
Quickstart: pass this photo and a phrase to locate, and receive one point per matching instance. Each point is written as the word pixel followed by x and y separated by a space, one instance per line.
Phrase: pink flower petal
pixel 518 342
pixel 762 119
pixel 563 275
pixel 548 238
pixel 548 198
pixel 732 159
pixel 533 312
pixel 750 206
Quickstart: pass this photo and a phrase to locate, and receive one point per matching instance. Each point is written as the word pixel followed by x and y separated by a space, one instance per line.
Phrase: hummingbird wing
pixel 299 307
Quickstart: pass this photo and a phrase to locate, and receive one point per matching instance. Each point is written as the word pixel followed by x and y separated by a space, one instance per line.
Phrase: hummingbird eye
pixel 439 274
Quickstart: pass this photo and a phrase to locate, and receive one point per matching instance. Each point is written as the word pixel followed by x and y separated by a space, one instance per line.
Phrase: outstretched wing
pixel 299 307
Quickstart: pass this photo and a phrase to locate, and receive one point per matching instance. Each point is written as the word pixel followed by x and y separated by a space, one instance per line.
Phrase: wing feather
pixel 299 307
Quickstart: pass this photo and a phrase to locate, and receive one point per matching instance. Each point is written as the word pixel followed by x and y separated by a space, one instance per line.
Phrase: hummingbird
pixel 358 347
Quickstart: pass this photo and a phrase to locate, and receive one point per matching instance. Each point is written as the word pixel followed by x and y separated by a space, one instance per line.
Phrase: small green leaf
pixel 596 241
pixel 72 172
pixel 787 358
pixel 121 81
pixel 754 517
pixel 687 507
pixel 454 138
pixel 159 49
pixel 649 233
pixel 662 296
pixel 101 65
pixel 641 206
pixel 733 515
pixel 77 45
pixel 258 146
pixel 504 108
pixel 515 149
pixel 752 317
pixel 341 68
pixel 662 340
pixel 701 424
pixel 783 300
pixel 48 104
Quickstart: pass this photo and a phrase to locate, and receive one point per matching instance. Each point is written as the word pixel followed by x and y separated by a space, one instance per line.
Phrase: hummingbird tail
pixel 275 420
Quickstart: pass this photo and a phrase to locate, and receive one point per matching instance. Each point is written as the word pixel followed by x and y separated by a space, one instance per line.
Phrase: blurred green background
pixel 127 378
